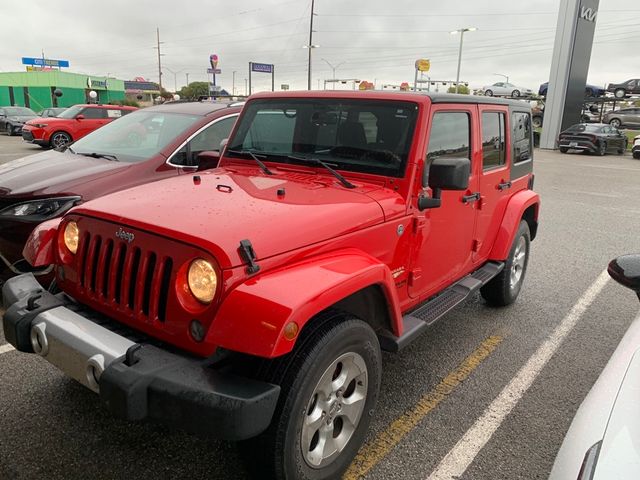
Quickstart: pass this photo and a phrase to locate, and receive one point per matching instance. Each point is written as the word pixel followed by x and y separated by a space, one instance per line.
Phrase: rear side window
pixel 114 113
pixel 94 113
pixel 450 136
pixel 493 140
pixel 521 137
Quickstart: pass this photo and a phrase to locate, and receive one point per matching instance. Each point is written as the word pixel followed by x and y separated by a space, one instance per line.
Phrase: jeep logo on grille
pixel 124 235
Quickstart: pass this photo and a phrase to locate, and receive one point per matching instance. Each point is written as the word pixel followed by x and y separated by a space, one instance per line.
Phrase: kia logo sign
pixel 588 14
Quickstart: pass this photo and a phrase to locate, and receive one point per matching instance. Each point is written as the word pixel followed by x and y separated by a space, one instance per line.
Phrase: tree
pixel 463 89
pixel 194 90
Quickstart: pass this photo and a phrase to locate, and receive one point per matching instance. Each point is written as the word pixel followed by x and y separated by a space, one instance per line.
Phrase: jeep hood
pixel 217 209
pixel 52 173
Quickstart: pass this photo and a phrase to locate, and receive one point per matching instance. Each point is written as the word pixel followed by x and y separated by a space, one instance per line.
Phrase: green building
pixel 35 89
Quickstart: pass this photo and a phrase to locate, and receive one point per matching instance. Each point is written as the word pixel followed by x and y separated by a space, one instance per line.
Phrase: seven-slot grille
pixel 133 279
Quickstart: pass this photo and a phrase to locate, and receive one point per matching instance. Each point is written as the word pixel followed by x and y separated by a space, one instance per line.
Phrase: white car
pixel 603 441
pixel 636 147
pixel 504 89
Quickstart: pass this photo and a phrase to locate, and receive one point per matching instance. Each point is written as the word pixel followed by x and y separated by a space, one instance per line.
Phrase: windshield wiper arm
pixel 262 166
pixel 108 156
pixel 340 178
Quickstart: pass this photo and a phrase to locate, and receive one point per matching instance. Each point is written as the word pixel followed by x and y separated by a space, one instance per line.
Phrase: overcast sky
pixel 378 40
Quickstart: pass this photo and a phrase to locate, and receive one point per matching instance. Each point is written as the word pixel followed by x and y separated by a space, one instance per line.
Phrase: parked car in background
pixel 51 112
pixel 621 90
pixel 72 124
pixel 503 89
pixel 589 91
pixel 602 441
pixel 635 150
pixel 594 138
pixel 114 157
pixel 13 118
pixel 625 117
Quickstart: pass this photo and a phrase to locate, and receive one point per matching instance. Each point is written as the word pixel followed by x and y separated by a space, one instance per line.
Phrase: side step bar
pixel 420 319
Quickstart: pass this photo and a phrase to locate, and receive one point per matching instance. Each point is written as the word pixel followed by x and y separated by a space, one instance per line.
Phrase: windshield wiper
pixel 108 156
pixel 262 166
pixel 317 161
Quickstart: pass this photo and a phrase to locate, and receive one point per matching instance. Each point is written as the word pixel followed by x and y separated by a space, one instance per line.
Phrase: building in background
pixel 35 89
pixel 141 90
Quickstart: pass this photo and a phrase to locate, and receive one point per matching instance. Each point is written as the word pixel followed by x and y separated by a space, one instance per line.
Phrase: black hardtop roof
pixel 191 108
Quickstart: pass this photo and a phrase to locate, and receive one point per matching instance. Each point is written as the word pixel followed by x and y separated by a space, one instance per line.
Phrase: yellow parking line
pixel 373 452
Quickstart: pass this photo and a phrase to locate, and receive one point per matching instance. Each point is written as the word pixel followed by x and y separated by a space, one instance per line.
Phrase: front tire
pixel 9 130
pixel 620 93
pixel 59 140
pixel 564 149
pixel 615 122
pixel 504 288
pixel 602 148
pixel 515 94
pixel 330 384
pixel 488 93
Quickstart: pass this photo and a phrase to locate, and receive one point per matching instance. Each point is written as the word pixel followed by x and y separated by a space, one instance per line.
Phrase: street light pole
pixel 233 83
pixel 461 32
pixel 503 75
pixel 334 70
pixel 187 75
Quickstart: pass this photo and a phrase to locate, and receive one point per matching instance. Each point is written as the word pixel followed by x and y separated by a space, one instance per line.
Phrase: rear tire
pixel 615 122
pixel 330 384
pixel 9 130
pixel 564 149
pixel 636 155
pixel 515 94
pixel 488 93
pixel 620 93
pixel 504 288
pixel 622 149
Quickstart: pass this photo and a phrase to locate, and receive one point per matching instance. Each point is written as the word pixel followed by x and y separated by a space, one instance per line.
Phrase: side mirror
pixel 626 271
pixel 79 117
pixel 444 174
pixel 208 159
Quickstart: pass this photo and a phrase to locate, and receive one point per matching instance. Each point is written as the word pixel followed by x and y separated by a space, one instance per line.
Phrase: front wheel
pixel 564 149
pixel 9 130
pixel 488 93
pixel 602 148
pixel 330 385
pixel 504 288
pixel 615 122
pixel 60 140
pixel 620 93
pixel 515 93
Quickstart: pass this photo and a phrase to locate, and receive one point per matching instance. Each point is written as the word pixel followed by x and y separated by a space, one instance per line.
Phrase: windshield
pixel 582 127
pixel 135 137
pixel 27 112
pixel 370 136
pixel 71 112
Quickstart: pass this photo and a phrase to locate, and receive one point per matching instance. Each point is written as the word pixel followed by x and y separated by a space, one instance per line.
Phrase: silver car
pixel 627 117
pixel 603 442
pixel 504 89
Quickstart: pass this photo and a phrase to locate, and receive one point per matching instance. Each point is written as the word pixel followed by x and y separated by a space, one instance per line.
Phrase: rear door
pixel 494 178
pixel 94 117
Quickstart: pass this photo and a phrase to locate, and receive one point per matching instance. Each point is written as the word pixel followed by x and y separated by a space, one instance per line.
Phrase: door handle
pixel 474 197
pixel 504 186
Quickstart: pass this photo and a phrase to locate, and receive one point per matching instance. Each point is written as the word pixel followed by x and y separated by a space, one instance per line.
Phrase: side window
pixel 493 140
pixel 93 113
pixel 206 141
pixel 521 137
pixel 450 136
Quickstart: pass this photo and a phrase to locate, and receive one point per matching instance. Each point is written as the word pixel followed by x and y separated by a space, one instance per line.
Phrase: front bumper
pixel 34 135
pixel 135 380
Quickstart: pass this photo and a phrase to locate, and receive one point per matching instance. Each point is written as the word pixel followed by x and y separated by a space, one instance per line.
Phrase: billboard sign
pixel 217 71
pixel 213 60
pixel 45 62
pixel 261 67
pixel 423 64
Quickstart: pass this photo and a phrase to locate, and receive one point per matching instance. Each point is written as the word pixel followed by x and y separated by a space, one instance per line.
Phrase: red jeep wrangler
pixel 252 301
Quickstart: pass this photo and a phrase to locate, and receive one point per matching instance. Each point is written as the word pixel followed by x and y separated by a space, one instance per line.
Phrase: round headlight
pixel 203 280
pixel 71 237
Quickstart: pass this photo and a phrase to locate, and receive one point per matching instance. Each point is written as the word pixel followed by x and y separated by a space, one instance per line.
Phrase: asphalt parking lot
pixel 470 377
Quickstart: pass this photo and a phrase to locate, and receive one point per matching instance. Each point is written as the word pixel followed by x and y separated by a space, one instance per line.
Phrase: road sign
pixel 217 71
pixel 423 64
pixel 261 67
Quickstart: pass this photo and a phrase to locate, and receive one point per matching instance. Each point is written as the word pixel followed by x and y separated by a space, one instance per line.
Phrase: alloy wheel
pixel 518 264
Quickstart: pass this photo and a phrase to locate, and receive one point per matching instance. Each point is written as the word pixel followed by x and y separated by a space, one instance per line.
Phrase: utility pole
pixel 310 46
pixel 233 83
pixel 187 75
pixel 159 63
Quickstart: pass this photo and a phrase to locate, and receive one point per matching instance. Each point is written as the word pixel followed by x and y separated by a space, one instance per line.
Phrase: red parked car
pixel 71 125
pixel 252 301
pixel 147 145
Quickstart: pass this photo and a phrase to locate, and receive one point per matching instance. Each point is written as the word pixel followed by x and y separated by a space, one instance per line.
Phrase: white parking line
pixel 6 348
pixel 456 462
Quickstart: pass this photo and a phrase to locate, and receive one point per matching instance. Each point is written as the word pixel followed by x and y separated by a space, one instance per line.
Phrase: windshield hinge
pixel 247 253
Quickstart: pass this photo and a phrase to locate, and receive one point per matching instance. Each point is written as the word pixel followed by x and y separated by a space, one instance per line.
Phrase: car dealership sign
pixel 45 62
